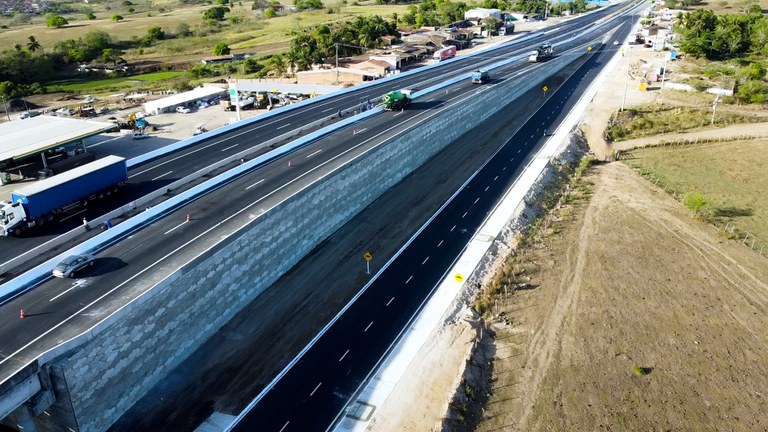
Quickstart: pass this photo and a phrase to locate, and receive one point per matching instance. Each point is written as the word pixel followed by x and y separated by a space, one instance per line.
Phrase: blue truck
pixel 51 199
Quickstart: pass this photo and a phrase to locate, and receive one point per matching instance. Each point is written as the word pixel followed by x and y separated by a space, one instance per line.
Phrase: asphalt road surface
pixel 159 173
pixel 314 391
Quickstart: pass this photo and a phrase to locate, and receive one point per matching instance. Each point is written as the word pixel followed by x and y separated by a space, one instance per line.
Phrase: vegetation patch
pixel 718 182
pixel 86 85
pixel 569 189
pixel 655 119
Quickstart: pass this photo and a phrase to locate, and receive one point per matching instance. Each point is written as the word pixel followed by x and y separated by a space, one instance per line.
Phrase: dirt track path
pixel 634 281
pixel 750 130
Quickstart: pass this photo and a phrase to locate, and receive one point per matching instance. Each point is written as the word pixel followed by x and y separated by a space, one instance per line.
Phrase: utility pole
pixel 337 63
pixel 626 81
pixel 714 107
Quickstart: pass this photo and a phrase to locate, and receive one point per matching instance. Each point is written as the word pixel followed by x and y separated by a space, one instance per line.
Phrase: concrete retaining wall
pixel 107 374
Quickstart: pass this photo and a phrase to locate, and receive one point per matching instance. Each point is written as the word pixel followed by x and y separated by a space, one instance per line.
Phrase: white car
pixel 615 42
pixel 140 136
pixel 71 264
pixel 182 110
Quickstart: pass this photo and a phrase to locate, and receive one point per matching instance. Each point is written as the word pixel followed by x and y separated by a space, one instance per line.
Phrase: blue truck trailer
pixel 50 199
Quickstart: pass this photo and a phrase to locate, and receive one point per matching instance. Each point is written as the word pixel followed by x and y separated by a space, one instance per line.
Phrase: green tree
pixel 97 40
pixel 308 4
pixel 56 21
pixel 269 13
pixel 33 45
pixel 216 13
pixel 112 55
pixel 489 24
pixel 221 48
pixel 250 65
pixel 156 33
pixel 90 16
pixel 277 64
pixel 117 18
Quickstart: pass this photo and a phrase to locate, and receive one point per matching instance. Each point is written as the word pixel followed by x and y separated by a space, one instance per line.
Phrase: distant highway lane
pixel 313 393
pixel 158 173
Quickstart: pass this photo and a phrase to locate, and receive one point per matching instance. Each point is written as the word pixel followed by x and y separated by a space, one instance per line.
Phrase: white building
pixel 482 13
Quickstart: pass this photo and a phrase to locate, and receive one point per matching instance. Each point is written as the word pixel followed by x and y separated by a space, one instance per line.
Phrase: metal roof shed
pixel 20 139
pixel 160 106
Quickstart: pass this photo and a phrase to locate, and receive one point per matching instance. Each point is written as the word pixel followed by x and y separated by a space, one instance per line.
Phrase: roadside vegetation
pixel 717 182
pixel 655 119
pixel 45 48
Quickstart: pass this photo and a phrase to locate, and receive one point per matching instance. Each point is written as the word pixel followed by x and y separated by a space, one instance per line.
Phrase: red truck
pixel 444 54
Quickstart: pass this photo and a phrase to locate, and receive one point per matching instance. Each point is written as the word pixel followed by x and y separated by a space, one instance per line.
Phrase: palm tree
pixel 33 45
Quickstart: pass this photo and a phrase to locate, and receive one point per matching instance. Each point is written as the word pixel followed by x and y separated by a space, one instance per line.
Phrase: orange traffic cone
pixel 21 314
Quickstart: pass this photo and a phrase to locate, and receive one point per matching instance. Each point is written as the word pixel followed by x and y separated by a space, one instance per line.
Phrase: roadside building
pixel 168 104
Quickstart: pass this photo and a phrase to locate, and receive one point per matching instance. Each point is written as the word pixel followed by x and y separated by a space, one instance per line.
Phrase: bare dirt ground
pixel 633 317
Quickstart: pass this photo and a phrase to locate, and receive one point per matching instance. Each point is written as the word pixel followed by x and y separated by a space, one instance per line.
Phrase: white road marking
pixel 505 168
pixel 105 141
pixel 476 200
pixel 257 183
pixel 367 327
pixel 177 226
pixel 284 426
pixel 518 151
pixel 345 354
pixel 425 261
pixel 326 110
pixel 462 216
pixel 312 154
pixel 317 387
pixel 161 176
pixel 495 178
pixel 283 126
pixel 439 244
pixel 64 292
pixel 230 147
pixel 390 301
pixel 361 130
pixel 454 227
pixel 409 279
pixel 486 188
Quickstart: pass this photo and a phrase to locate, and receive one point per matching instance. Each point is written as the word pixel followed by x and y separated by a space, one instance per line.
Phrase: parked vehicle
pixel 480 76
pixel 50 199
pixel 182 110
pixel 28 114
pixel 541 53
pixel 398 99
pixel 140 136
pixel 72 264
pixel 444 54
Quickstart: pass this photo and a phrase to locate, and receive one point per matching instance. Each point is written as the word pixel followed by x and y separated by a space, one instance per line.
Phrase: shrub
pixel 695 202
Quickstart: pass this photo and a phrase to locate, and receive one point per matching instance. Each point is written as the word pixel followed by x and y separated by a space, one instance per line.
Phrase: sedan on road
pixel 71 264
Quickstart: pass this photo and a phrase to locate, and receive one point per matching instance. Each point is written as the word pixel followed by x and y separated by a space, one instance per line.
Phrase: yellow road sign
pixel 367 256
pixel 545 88
pixel 589 48
pixel 459 278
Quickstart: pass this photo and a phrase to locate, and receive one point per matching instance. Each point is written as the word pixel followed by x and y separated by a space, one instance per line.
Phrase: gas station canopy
pixel 20 139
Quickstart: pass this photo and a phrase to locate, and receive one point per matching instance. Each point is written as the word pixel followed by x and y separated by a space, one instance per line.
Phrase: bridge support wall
pixel 115 366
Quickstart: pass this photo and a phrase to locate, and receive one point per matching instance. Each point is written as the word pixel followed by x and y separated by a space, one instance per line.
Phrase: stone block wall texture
pixel 109 372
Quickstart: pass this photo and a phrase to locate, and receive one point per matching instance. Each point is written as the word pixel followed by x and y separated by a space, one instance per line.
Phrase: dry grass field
pixel 731 176
pixel 257 35
pixel 634 316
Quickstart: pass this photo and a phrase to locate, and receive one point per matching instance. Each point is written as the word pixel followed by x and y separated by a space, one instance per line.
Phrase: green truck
pixel 395 100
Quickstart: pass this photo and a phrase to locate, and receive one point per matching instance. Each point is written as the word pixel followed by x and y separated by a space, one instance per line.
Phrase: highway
pixel 313 393
pixel 159 173
pixel 59 309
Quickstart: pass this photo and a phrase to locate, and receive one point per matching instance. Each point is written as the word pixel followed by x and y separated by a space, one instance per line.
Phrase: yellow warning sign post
pixel 367 257
pixel 459 278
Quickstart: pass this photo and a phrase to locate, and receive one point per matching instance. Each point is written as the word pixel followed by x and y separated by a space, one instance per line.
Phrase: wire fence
pixel 729 230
